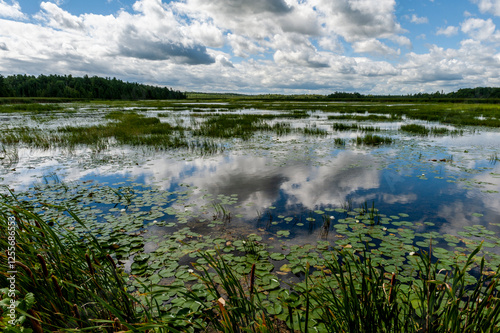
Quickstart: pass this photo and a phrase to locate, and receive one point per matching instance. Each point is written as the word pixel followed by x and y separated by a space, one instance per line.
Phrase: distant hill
pixel 81 87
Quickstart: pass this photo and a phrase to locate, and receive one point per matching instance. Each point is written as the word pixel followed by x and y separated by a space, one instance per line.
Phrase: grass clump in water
pixel 31 107
pixel 373 140
pixel 344 127
pixel 231 126
pixel 129 128
pixel 339 141
pixel 313 130
pixel 415 129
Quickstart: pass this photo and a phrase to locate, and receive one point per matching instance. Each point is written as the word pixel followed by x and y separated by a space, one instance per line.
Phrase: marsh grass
pixel 230 126
pixel 9 155
pixel 344 127
pixel 435 131
pixel 35 108
pixel 73 281
pixel 281 128
pixel 370 117
pixel 415 129
pixel 352 294
pixel 244 126
pixel 494 158
pixel 354 127
pixel 339 141
pixel 373 140
pixel 231 304
pixel 314 131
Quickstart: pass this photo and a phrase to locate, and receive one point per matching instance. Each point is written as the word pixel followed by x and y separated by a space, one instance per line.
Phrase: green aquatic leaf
pixel 277 256
pixel 284 233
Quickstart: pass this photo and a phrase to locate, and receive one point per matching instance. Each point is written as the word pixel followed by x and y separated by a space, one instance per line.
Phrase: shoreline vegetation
pixel 68 281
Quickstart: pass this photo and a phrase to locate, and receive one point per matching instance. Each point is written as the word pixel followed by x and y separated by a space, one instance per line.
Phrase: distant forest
pixel 480 93
pixel 81 88
pixel 69 87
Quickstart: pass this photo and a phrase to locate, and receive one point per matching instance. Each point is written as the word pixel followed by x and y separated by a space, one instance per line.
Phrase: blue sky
pixel 259 46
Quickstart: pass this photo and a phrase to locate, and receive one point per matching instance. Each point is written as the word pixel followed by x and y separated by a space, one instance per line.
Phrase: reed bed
pixel 373 140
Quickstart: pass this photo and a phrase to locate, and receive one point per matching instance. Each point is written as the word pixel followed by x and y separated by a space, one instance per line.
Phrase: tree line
pixel 479 94
pixel 85 87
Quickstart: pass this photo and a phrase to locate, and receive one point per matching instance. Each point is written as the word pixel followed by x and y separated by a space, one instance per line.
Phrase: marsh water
pixel 293 187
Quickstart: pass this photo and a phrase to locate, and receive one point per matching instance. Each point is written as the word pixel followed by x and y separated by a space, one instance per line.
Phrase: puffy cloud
pixel 478 28
pixel 12 10
pixel 244 7
pixel 448 31
pixel 297 50
pixel 163 50
pixel 205 33
pixel 357 20
pixel 374 46
pixel 58 18
pixel 401 40
pixel 492 6
pixel 331 44
pixel 299 58
pixel 472 63
pixel 224 61
pixel 243 46
pixel 418 20
pixel 256 19
pixel 249 46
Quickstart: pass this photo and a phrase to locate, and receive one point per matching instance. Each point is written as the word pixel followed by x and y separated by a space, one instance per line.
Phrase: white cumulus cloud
pixel 11 10
pixel 448 31
pixel 492 6
pixel 478 28
pixel 418 20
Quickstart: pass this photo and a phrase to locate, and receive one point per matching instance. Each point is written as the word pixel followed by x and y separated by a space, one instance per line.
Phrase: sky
pixel 259 46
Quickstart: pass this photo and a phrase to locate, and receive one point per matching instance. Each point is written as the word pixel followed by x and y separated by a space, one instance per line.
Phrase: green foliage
pixel 81 87
pixel 374 140
pixel 359 298
pixel 72 282
pixel 31 107
pixel 415 128
pixel 229 305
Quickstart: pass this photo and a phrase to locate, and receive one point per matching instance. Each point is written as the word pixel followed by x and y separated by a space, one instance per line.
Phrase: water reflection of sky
pixel 395 180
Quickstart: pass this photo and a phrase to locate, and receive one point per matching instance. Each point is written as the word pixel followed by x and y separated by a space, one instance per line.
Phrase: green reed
pixel 373 140
pixel 64 281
